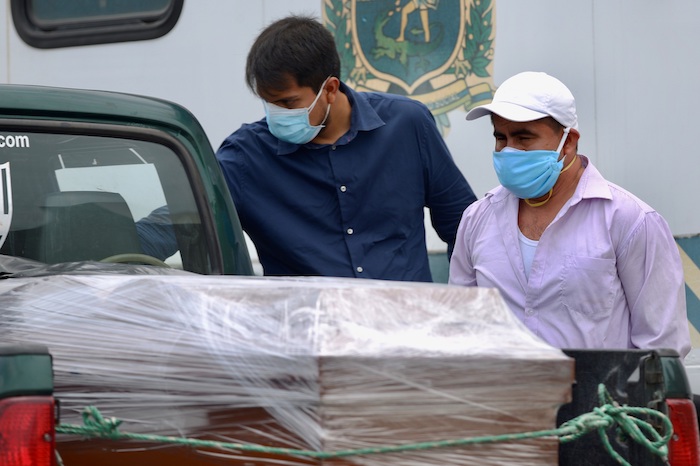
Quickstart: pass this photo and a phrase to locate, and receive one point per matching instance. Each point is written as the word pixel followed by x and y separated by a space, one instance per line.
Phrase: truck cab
pixel 96 176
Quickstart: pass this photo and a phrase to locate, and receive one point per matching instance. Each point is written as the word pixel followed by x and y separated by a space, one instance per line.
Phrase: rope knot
pixel 101 426
pixel 598 419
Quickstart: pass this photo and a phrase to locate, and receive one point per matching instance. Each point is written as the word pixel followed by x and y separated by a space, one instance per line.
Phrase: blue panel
pixel 439 267
pixel 693 304
pixel 691 246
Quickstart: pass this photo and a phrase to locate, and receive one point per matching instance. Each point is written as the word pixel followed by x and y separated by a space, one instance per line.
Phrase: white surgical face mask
pixel 292 124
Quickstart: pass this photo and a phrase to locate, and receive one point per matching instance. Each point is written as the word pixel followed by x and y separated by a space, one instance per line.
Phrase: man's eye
pixel 286 103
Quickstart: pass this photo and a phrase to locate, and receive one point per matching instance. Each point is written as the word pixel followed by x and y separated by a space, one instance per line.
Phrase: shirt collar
pixel 592 184
pixel 362 118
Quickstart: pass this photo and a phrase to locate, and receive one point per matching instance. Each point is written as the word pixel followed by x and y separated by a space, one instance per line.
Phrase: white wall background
pixel 633 65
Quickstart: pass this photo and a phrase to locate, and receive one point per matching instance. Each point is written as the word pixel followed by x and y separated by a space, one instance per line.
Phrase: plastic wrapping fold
pixel 311 363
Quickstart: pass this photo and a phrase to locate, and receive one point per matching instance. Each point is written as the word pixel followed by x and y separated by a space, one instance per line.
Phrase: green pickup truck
pixel 113 212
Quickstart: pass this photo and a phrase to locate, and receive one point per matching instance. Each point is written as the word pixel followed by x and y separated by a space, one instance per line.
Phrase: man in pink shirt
pixel 582 262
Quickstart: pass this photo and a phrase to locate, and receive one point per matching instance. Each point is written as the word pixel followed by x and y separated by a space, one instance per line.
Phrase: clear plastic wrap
pixel 309 363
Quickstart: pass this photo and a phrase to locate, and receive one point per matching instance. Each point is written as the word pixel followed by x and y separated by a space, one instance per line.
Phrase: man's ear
pixel 572 141
pixel 332 87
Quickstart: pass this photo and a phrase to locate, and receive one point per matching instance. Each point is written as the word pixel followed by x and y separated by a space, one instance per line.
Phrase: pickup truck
pixel 114 203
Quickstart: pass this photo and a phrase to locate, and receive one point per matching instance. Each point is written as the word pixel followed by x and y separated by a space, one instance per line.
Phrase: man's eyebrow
pixel 517 132
pixel 285 100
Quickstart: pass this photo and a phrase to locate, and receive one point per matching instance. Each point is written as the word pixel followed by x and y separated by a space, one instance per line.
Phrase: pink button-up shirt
pixel 606 272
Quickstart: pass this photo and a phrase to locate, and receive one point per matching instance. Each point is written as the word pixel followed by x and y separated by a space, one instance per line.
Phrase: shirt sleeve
pixel 654 286
pixel 448 193
pixel 461 267
pixel 157 234
pixel 226 155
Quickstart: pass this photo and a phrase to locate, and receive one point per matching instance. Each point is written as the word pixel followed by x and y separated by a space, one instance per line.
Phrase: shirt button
pixel 529 312
pixel 350 231
pixel 332 147
pixel 343 189
pixel 360 269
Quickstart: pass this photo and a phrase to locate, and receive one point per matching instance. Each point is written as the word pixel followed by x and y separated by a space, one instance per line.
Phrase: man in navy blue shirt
pixel 334 182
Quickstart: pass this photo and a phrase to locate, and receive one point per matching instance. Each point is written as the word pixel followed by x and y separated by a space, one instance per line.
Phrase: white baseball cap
pixel 529 96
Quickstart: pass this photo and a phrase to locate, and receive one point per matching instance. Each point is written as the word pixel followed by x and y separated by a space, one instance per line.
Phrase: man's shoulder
pixel 624 210
pixel 385 101
pixel 617 197
pixel 597 186
pixel 492 203
pixel 624 199
pixel 249 135
pixel 255 129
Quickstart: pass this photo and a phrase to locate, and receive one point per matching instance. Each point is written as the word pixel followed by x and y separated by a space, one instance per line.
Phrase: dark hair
pixel 295 47
pixel 554 124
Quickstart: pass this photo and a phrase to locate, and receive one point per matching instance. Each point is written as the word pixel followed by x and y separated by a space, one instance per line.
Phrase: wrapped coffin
pixel 315 364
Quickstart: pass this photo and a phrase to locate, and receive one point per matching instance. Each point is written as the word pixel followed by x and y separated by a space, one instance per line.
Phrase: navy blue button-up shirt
pixel 353 208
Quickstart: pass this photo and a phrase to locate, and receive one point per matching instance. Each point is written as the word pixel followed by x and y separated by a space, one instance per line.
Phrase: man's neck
pixel 338 122
pixel 533 221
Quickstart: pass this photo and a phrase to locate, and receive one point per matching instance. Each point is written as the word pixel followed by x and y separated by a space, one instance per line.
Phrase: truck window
pixel 51 24
pixel 66 198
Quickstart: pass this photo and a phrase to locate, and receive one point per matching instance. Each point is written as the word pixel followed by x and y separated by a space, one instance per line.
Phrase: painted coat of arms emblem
pixel 439 52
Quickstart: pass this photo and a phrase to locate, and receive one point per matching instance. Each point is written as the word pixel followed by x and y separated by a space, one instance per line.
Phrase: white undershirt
pixel 527 249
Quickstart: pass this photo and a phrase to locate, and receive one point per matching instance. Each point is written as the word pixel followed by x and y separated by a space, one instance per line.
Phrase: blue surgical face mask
pixel 529 174
pixel 292 124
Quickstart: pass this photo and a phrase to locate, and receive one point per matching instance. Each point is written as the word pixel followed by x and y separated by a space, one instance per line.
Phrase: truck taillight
pixel 684 447
pixel 27 431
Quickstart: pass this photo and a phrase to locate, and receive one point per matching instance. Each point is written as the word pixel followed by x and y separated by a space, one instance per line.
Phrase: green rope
pixel 609 414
